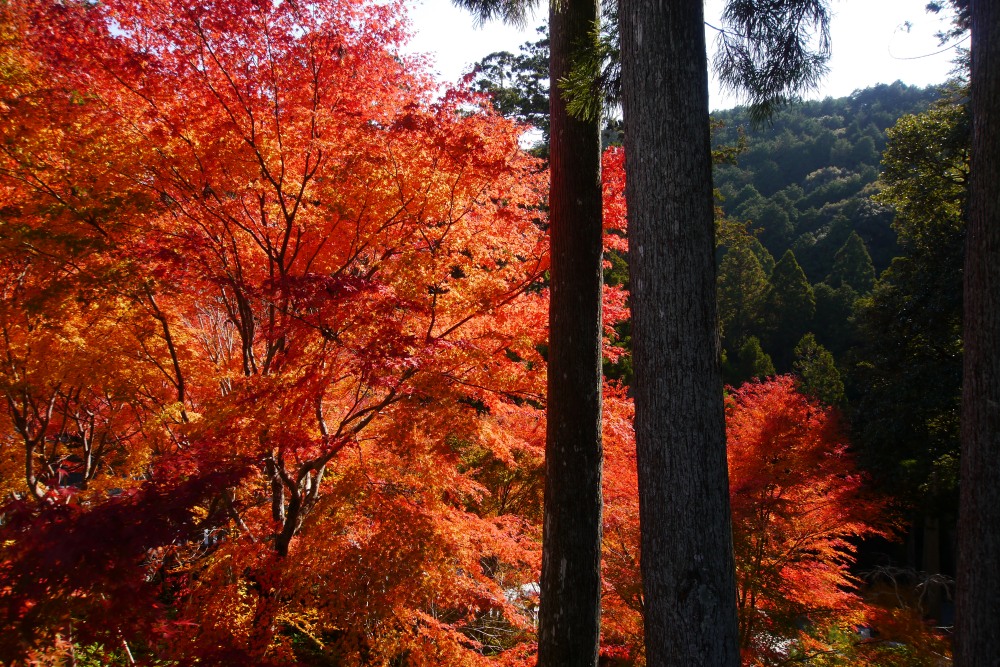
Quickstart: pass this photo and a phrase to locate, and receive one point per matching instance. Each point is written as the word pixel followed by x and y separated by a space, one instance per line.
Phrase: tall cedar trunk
pixel 687 551
pixel 570 614
pixel 978 604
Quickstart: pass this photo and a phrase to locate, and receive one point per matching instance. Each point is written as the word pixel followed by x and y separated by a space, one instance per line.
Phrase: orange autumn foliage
pixel 797 501
pixel 279 306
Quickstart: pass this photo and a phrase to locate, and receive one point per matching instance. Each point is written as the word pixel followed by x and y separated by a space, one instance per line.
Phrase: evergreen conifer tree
pixel 742 286
pixel 852 266
pixel 788 309
pixel 817 371
pixel 751 363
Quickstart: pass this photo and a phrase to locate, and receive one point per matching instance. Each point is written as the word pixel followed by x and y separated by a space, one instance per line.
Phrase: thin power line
pixel 928 55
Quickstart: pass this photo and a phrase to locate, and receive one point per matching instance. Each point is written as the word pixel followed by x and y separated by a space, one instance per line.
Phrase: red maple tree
pixel 271 327
pixel 798 503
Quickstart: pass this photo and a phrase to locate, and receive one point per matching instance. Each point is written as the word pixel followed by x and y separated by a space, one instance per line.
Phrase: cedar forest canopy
pixel 273 363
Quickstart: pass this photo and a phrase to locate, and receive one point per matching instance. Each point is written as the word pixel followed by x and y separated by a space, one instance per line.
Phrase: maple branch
pixel 319 417
pixel 369 413
pixel 251 138
pixel 504 299
pixel 277 482
pixel 31 178
pixel 179 381
pixel 229 497
pixel 31 441
pixel 128 653
pixel 304 487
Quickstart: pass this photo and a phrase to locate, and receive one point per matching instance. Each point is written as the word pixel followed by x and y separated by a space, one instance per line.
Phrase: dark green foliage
pixel 817 371
pixel 621 369
pixel 909 377
pixel 873 223
pixel 765 258
pixel 750 362
pixel 514 12
pixel 925 176
pixel 519 83
pixel 616 274
pixel 864 152
pixel 834 319
pixel 770 51
pixel 960 23
pixel 909 373
pixel 742 287
pixel 772 222
pixel 817 162
pixel 789 307
pixel 593 86
pixel 852 266
pixel 736 199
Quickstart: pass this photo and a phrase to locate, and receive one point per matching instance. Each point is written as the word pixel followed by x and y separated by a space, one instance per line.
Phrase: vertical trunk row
pixel 569 618
pixel 687 554
pixel 978 605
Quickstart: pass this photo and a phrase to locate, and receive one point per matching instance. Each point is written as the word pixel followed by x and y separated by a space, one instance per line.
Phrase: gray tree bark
pixel 977 632
pixel 570 613
pixel 687 553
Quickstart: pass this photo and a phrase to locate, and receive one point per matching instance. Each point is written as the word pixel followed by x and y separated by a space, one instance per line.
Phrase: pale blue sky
pixel 870 43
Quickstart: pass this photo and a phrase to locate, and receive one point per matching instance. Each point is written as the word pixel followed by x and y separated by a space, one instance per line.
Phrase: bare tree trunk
pixel 977 640
pixel 687 553
pixel 570 613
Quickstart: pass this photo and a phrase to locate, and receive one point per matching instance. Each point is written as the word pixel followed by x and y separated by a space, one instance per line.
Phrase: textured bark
pixel 570 613
pixel 687 552
pixel 978 604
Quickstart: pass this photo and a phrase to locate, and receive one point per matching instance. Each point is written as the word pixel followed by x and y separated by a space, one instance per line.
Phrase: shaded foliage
pixel 789 306
pixel 909 366
pixel 817 372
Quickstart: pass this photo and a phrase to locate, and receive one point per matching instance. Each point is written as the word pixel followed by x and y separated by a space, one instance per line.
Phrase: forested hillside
pixel 805 179
pixel 841 262
pixel 802 188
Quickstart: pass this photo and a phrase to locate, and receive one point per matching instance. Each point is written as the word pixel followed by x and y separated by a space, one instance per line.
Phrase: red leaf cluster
pixel 798 505
pixel 271 318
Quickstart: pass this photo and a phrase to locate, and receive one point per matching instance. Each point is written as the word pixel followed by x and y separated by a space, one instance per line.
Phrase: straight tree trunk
pixel 687 553
pixel 977 637
pixel 570 613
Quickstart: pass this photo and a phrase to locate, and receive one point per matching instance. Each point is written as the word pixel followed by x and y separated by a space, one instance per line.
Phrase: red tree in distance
pixel 797 500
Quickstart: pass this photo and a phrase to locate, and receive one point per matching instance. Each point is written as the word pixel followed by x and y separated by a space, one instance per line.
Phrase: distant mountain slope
pixel 804 180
